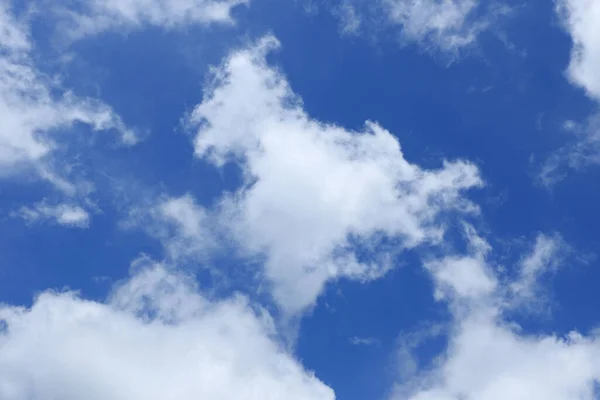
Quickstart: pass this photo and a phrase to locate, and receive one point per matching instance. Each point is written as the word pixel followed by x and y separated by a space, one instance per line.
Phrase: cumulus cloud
pixel 32 112
pixel 488 359
pixel 63 214
pixel 313 191
pixel 95 16
pixel 157 337
pixel 489 356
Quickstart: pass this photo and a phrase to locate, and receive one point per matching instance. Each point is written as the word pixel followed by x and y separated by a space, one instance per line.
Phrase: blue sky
pixel 292 199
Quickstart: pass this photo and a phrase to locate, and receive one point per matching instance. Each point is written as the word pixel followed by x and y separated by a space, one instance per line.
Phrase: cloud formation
pixel 96 16
pixel 443 27
pixel 63 214
pixel 580 19
pixel 313 191
pixel 489 357
pixel 32 112
pixel 156 338
pixel 447 25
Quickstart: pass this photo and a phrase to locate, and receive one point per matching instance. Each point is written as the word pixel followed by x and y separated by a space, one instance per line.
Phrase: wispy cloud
pixel 360 341
pixel 84 18
pixel 63 214
pixel 37 115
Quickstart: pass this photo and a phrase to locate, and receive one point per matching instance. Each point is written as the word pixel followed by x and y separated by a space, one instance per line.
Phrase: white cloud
pixel 349 18
pixel 313 189
pixel 359 341
pixel 464 277
pixel 545 257
pixel 445 24
pixel 491 358
pixel 189 230
pixel 63 214
pixel 31 113
pixel 156 338
pixel 96 16
pixel 185 229
pixel 581 19
pixel 488 359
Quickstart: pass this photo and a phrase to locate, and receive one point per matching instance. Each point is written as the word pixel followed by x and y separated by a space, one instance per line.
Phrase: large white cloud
pixel 156 338
pixel 490 357
pixel 312 190
pixel 88 17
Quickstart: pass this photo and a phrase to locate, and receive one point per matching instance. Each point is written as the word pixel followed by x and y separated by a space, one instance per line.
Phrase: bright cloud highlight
pixel 157 337
pixel 311 189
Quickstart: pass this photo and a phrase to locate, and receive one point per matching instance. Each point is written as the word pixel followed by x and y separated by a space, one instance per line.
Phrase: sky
pixel 299 199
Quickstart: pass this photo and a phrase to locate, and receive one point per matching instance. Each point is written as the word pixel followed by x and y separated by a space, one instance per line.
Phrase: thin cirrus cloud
pixel 548 254
pixel 488 356
pixel 438 26
pixel 94 17
pixel 314 190
pixel 448 25
pixel 156 337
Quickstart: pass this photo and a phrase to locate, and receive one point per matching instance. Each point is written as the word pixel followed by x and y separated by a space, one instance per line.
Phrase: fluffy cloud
pixel 490 357
pixel 96 16
pixel 63 214
pixel 31 111
pixel 313 191
pixel 157 337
